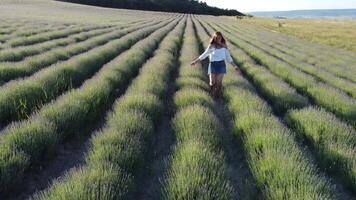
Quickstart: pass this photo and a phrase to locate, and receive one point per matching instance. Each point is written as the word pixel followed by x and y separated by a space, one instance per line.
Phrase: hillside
pixel 181 6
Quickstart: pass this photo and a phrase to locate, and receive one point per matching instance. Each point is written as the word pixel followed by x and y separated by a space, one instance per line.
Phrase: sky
pixel 279 5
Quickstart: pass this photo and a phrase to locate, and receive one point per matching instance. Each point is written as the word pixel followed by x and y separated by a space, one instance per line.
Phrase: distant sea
pixel 310 14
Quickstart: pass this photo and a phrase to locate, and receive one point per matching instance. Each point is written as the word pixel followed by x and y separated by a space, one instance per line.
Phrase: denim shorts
pixel 217 67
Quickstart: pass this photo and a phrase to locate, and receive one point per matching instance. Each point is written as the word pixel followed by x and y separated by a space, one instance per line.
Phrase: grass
pixel 83 106
pixel 335 33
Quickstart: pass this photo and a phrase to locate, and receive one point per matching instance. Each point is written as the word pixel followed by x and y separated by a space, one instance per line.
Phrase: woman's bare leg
pixel 219 80
pixel 212 79
pixel 213 83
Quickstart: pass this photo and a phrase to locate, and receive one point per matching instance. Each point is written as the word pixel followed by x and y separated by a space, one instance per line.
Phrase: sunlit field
pixel 99 103
pixel 336 33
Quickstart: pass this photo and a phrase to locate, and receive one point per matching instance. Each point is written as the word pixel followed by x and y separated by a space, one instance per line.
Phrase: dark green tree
pixel 181 6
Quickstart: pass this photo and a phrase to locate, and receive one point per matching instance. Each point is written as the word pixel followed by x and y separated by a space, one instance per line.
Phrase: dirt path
pixel 150 189
pixel 237 168
pixel 69 156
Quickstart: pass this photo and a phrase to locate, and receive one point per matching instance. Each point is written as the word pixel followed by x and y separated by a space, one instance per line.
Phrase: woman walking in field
pixel 218 53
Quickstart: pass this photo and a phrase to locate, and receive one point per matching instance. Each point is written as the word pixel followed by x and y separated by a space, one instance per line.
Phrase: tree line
pixel 181 6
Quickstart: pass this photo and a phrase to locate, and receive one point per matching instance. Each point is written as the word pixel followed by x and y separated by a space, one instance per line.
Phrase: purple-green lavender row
pixel 21 97
pixel 26 144
pixel 20 53
pixel 321 94
pixel 315 53
pixel 197 169
pixel 320 74
pixel 10 71
pixel 118 153
pixel 41 37
pixel 333 142
pixel 339 70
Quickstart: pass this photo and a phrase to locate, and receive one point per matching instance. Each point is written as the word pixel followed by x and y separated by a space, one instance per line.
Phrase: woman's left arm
pixel 230 60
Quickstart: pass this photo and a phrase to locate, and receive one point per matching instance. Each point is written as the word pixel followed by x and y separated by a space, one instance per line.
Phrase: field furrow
pixel 42 37
pixel 120 150
pixel 342 71
pixel 10 71
pixel 319 93
pixel 19 53
pixel 21 97
pixel 315 52
pixel 332 141
pixel 306 52
pixel 53 125
pixel 35 28
pixel 320 74
pixel 113 103
pixel 237 167
pixel 197 169
pixel 268 143
pixel 28 30
pixel 334 152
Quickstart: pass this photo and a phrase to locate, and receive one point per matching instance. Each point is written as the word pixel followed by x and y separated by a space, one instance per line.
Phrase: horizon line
pixel 301 10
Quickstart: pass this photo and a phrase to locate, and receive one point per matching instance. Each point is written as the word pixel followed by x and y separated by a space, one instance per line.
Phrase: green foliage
pixel 197 169
pixel 189 96
pixel 35 63
pixel 81 106
pixel 191 82
pixel 324 95
pixel 279 167
pixel 119 151
pixel 29 94
pixel 182 6
pixel 196 173
pixel 100 182
pixel 18 54
pixel 333 141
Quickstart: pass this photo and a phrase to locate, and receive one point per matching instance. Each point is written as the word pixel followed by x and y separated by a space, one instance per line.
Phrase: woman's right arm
pixel 203 55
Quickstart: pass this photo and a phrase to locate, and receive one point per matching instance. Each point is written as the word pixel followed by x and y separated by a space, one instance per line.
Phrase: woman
pixel 218 53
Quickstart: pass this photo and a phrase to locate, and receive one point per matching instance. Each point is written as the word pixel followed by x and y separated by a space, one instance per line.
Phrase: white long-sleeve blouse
pixel 217 54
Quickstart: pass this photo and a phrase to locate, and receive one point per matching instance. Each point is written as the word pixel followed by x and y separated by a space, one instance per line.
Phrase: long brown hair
pixel 213 40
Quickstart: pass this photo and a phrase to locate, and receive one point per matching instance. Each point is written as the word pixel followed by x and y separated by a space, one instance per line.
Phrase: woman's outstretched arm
pixel 230 60
pixel 202 56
